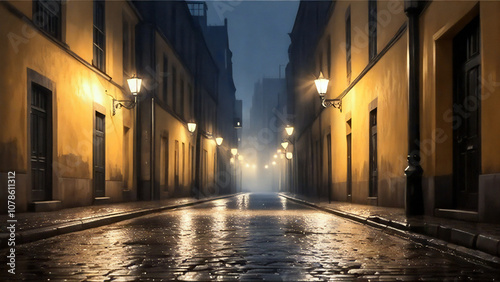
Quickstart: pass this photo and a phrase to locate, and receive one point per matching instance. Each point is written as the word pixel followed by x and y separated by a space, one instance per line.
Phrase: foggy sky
pixel 258 38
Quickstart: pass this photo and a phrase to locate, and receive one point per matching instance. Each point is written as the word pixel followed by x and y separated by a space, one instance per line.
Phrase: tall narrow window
pixel 165 80
pixel 174 89
pixel 99 35
pixel 47 16
pixel 372 28
pixel 126 47
pixel 190 99
pixel 348 43
pixel 329 56
pixel 182 97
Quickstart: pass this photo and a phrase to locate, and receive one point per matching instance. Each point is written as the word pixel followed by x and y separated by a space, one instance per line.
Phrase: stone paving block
pixel 431 229
pixel 444 233
pixel 463 238
pixel 488 244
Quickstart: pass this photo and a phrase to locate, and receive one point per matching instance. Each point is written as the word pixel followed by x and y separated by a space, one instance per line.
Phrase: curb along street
pixel 411 232
pixel 36 234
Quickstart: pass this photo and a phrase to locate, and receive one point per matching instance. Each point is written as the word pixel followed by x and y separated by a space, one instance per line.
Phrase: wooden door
pixel 373 189
pixel 41 144
pixel 466 111
pixel 99 156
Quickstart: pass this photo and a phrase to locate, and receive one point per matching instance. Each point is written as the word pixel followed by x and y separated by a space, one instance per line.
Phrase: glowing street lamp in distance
pixel 284 144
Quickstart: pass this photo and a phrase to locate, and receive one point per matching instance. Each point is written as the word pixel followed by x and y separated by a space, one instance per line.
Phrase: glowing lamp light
pixel 231 160
pixel 266 166
pixel 191 126
pixel 134 84
pixel 275 156
pixel 247 165
pixel 219 140
pixel 240 158
pixel 289 130
pixel 234 151
pixel 289 155
pixel 279 151
pixel 274 163
pixel 321 84
pixel 284 144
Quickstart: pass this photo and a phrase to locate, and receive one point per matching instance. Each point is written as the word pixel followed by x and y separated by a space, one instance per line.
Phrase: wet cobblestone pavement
pixel 248 237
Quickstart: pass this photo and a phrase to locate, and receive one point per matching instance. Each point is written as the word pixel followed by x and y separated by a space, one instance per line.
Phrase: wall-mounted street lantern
pixel 322 86
pixel 234 151
pixel 289 155
pixel 219 140
pixel 134 84
pixel 191 127
pixel 284 144
pixel 289 130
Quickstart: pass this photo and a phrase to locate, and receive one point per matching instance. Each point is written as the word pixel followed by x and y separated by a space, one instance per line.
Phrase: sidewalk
pixel 477 241
pixel 32 226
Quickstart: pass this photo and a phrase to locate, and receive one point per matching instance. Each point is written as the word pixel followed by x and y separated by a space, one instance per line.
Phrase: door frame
pixel 101 110
pixel 458 95
pixel 34 77
pixel 373 154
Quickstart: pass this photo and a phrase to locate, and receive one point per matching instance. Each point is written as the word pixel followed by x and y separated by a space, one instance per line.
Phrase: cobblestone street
pixel 247 237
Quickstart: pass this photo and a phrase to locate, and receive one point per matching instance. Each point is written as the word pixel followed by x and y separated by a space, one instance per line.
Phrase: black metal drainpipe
pixel 414 204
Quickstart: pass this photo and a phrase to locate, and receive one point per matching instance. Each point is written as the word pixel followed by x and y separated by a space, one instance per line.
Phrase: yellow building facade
pixel 359 153
pixel 58 100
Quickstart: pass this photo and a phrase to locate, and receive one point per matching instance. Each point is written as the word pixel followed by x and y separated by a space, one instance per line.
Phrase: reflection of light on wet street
pixel 250 236
pixel 283 202
pixel 186 235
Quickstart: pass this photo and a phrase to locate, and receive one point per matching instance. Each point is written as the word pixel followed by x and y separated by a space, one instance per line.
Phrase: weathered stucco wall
pixel 78 90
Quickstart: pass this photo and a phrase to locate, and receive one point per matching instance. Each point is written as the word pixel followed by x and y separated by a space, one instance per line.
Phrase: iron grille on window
pixel 47 16
pixel 99 35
